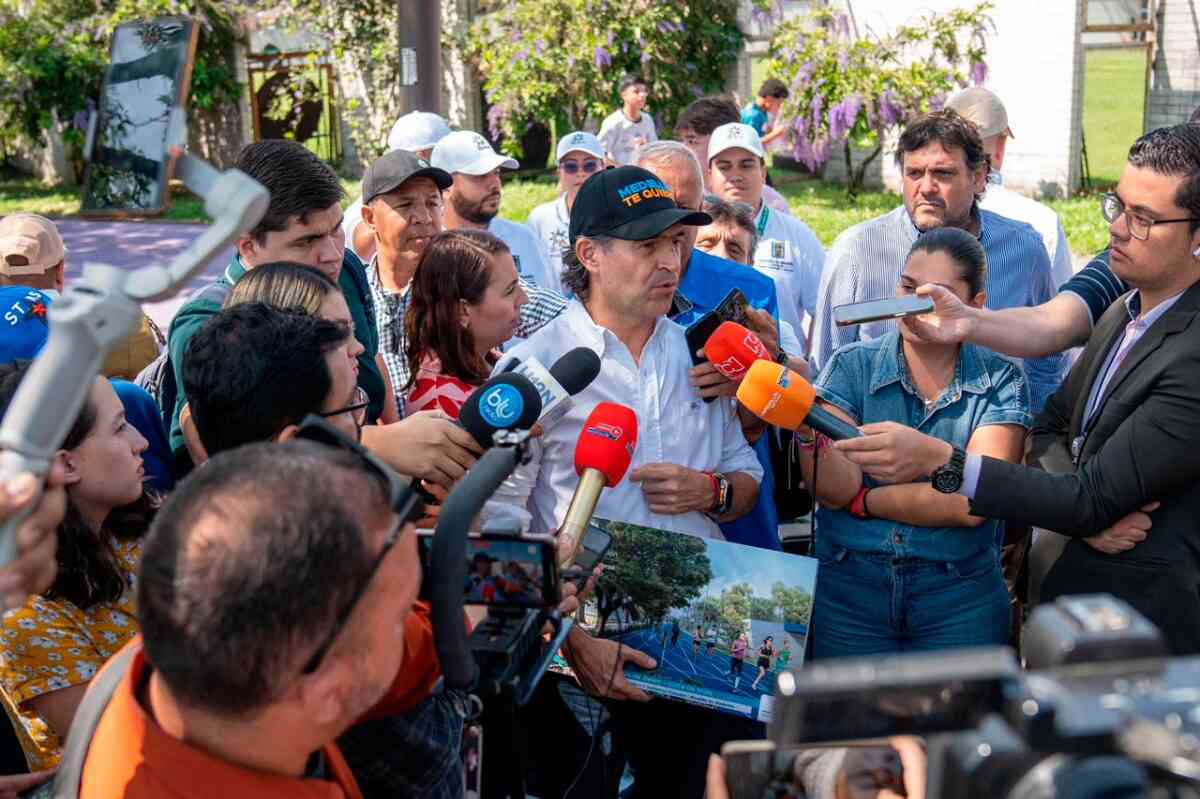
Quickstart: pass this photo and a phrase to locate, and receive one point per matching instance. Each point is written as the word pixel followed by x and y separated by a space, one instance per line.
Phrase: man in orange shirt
pixel 275 589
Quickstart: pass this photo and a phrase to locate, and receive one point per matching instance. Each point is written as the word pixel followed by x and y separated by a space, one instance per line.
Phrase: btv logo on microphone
pixel 501 405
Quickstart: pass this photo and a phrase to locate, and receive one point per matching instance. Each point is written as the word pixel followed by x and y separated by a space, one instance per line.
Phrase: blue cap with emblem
pixel 24 322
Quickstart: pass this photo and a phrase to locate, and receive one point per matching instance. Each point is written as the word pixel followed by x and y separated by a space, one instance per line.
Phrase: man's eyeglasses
pixel 357 409
pixel 1139 226
pixel 573 167
pixel 403 499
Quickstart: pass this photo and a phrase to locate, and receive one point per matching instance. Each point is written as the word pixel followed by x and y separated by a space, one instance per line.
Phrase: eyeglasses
pixel 404 501
pixel 573 167
pixel 357 410
pixel 1139 226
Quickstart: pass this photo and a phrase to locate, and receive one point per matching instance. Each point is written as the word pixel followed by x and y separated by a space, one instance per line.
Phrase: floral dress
pixel 50 644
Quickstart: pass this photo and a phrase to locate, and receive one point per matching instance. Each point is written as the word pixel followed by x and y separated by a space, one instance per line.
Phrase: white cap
pixel 417 130
pixel 582 141
pixel 467 152
pixel 734 134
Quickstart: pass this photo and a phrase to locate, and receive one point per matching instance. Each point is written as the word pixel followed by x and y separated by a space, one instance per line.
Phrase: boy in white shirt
pixel 627 129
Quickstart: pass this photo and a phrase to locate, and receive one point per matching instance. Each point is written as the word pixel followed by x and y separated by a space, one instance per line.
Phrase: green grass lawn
pixel 1114 94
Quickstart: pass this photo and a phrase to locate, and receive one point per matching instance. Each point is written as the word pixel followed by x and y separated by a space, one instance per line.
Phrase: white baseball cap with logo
pixel 582 141
pixel 29 245
pixel 735 134
pixel 467 152
pixel 417 130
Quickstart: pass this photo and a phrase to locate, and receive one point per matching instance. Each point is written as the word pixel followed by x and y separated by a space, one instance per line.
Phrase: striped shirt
pixel 867 260
pixel 1096 286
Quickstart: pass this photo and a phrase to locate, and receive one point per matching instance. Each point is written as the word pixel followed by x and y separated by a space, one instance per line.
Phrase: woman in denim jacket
pixel 903 567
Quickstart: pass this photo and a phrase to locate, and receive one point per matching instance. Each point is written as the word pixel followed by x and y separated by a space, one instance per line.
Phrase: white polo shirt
pixel 790 254
pixel 674 426
pixel 527 252
pixel 551 223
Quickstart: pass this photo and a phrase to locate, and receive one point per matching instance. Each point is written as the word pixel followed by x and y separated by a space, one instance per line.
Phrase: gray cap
pixel 392 170
pixel 982 107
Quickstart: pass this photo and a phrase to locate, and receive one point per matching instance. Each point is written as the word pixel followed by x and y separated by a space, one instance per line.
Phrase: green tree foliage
pixel 53 54
pixel 849 89
pixel 795 603
pixel 542 58
pixel 648 573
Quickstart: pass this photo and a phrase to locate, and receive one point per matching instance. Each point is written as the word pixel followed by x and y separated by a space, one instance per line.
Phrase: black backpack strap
pixel 87 717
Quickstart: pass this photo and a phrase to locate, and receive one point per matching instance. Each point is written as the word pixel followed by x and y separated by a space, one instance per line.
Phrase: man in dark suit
pixel 1124 428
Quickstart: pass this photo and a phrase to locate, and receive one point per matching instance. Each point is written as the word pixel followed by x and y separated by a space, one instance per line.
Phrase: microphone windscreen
pixel 776 394
pixel 732 349
pixel 576 370
pixel 607 442
pixel 511 365
pixel 506 402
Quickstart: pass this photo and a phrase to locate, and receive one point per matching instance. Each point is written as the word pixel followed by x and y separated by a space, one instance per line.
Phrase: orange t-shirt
pixel 132 757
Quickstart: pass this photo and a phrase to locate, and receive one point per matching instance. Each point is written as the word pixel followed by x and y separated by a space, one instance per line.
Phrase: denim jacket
pixel 870 381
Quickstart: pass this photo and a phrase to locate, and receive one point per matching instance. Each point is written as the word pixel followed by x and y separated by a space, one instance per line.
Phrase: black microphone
pixel 569 375
pixel 508 401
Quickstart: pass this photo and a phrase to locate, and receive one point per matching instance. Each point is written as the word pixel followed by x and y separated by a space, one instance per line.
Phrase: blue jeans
pixel 870 604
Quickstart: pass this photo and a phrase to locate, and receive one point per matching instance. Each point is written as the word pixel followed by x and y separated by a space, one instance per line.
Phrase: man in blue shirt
pixel 758 114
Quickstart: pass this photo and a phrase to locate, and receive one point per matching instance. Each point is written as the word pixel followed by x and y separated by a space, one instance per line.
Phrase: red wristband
pixel 858 506
pixel 716 492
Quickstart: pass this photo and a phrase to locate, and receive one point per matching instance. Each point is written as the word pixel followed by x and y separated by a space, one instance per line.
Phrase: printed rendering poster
pixel 722 619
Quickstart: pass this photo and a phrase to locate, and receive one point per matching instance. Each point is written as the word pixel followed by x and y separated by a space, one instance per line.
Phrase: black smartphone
pixel 144 89
pixel 592 550
pixel 503 570
pixel 733 307
pixel 857 313
pixel 699 332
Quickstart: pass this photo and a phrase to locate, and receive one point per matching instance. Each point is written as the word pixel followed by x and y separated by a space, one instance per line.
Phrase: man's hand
pixel 951 322
pixel 12 785
pixel 427 445
pixel 709 382
pixel 672 489
pixel 1126 533
pixel 34 569
pixel 893 453
pixel 599 664
pixel 714 782
pixel 762 324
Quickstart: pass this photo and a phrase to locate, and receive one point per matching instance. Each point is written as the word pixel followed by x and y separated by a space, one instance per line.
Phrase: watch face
pixel 947 481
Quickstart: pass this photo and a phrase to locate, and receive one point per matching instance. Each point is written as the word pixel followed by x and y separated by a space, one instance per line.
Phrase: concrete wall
pixel 1175 81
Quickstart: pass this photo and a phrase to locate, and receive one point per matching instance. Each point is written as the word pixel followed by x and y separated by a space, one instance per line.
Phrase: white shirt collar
pixel 598 337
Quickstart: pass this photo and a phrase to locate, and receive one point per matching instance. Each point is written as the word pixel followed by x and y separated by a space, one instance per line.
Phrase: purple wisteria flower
pixel 602 58
pixel 610 38
pixel 539 46
pixel 890 112
pixel 979 73
pixel 843 116
pixel 570 61
pixel 495 118
pixel 937 102
pixel 522 56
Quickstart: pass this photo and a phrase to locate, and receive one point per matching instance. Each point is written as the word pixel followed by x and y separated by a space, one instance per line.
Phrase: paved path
pixel 133 244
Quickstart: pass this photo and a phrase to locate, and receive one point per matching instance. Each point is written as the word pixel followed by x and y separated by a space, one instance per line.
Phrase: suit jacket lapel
pixel 1107 330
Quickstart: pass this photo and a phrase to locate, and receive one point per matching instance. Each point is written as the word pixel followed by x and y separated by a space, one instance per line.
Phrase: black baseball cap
pixel 391 170
pixel 628 203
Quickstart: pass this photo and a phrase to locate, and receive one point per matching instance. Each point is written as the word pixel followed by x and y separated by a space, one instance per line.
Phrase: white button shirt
pixel 674 426
pixel 527 252
pixel 551 223
pixel 789 253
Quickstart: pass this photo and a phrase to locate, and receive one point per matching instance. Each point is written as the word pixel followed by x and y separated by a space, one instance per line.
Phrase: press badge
pixel 774 254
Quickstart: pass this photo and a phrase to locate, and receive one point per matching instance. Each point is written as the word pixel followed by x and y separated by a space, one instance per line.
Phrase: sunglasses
pixel 574 167
pixel 404 501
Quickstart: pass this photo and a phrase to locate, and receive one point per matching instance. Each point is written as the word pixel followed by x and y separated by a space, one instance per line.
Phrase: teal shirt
pixel 755 117
pixel 195 312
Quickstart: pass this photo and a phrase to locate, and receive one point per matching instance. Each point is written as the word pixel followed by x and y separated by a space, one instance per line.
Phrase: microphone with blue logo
pixel 508 401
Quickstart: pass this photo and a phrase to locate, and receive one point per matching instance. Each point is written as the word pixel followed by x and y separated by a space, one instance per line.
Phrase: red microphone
pixel 602 457
pixel 732 349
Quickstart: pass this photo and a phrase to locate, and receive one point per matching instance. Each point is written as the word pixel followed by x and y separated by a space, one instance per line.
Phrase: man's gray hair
pixel 732 215
pixel 670 154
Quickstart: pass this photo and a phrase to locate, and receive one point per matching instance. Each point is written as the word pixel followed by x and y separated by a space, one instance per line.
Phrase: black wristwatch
pixel 949 478
pixel 724 495
pixel 781 357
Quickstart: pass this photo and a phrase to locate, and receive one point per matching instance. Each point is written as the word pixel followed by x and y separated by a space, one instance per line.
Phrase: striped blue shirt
pixel 867 260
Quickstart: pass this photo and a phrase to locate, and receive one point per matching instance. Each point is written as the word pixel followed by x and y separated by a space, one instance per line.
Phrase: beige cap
pixel 29 245
pixel 984 108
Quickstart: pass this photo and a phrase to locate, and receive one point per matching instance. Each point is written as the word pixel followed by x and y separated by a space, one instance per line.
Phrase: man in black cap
pixel 692 467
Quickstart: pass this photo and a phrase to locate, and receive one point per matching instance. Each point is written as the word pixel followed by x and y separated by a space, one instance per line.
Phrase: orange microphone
pixel 732 349
pixel 782 398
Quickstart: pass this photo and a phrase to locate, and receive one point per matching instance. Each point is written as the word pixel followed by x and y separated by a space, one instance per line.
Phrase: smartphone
pixel 733 307
pixel 592 550
pixel 749 768
pixel 857 313
pixel 699 332
pixel 145 86
pixel 503 570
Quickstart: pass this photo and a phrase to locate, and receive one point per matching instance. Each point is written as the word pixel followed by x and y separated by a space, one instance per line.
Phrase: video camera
pixel 1103 711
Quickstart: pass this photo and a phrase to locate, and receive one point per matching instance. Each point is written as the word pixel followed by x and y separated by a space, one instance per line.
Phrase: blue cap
pixel 23 322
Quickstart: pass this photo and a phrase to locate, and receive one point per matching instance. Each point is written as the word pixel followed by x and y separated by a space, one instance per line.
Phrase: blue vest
pixel 705 283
